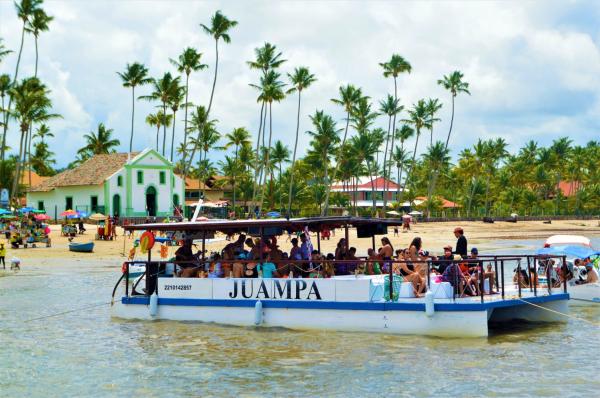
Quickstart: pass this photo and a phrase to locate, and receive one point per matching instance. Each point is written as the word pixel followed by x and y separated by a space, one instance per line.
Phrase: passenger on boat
pixel 267 268
pixel 295 253
pixel 314 270
pixel 250 270
pixel 474 270
pixel 328 268
pixel 306 247
pixel 406 268
pixel 521 278
pixel 461 243
pixel 184 256
pixel 453 275
pixel 386 253
pixel 341 249
pixel 238 244
pixel 442 262
pixel 373 267
pixel 592 275
pixel 214 269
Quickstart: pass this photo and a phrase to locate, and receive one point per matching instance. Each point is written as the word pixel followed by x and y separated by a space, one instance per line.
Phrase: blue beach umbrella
pixel 273 214
pixel 82 214
pixel 26 209
pixel 4 211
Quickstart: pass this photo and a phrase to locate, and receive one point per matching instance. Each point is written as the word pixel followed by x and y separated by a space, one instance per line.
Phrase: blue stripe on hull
pixel 333 305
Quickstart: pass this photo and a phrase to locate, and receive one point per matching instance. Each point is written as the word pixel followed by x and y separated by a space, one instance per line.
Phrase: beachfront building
pixel 137 185
pixel 362 190
pixel 215 193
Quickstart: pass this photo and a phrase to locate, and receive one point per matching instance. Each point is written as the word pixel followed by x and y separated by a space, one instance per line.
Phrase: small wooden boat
pixel 87 247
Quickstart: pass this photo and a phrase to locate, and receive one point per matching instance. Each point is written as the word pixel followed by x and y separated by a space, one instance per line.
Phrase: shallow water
pixel 86 353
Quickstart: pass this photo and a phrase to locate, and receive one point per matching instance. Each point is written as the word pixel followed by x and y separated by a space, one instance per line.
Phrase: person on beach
pixel 461 243
pixel 3 255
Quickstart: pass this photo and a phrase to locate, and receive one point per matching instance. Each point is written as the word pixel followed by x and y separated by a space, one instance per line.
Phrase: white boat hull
pixel 585 294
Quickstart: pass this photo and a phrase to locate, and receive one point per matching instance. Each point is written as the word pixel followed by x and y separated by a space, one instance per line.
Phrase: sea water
pixel 86 353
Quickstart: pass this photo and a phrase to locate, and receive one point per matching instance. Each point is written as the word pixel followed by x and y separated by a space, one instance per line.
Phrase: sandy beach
pixel 434 235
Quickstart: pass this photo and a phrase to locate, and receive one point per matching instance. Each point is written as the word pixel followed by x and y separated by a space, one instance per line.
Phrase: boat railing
pixel 391 267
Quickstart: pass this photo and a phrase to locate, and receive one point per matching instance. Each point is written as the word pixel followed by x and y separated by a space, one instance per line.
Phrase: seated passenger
pixel 328 268
pixel 184 254
pixel 454 276
pixel 592 275
pixel 521 278
pixel 267 269
pixel 373 267
pixel 214 269
pixel 250 270
pixel 314 271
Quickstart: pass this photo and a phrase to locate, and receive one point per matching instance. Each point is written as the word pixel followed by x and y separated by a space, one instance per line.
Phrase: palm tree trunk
pixel 164 128
pixel 28 141
pixel 412 163
pixel 386 167
pixel 234 176
pixel 262 196
pixel 7 110
pixel 16 181
pixel 289 209
pixel 325 208
pixel 157 135
pixel 185 130
pixel 199 174
pixel 173 136
pixel 132 118
pixel 212 92
pixel 372 189
pixel 257 168
pixel 387 142
pixel 475 182
pixel 451 123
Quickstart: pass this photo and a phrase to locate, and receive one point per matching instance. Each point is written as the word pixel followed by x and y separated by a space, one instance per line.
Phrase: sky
pixel 533 67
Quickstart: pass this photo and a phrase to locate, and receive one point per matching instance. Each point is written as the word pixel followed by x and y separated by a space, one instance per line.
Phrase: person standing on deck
pixel 461 243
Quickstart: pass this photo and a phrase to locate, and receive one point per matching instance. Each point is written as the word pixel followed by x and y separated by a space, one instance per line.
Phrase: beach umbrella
pixel 67 213
pixel 7 217
pixel 4 211
pixel 273 214
pixel 26 210
pixel 98 217
pixel 42 217
pixel 39 211
pixel 407 216
pixel 415 213
pixel 82 214
pixel 392 212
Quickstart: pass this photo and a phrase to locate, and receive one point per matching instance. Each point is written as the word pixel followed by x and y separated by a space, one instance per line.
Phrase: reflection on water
pixel 86 353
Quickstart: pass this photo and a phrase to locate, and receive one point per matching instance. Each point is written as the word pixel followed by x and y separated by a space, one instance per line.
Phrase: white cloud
pixel 533 67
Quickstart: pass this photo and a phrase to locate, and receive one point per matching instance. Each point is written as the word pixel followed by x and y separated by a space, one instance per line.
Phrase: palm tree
pixel 325 138
pixel 42 132
pixel 267 58
pixel 364 146
pixel 42 159
pixel 300 79
pixel 5 85
pixel 403 134
pixel 419 118
pixel 400 158
pixel 100 142
pixel 25 10
pixel 560 152
pixel 206 140
pixel 157 120
pixel 218 29
pixel 31 106
pixel 163 89
pixel 349 97
pixel 239 137
pixel 436 158
pixel 280 155
pixel 177 96
pixel 273 92
pixel 3 50
pixel 433 106
pixel 454 83
pixel 36 24
pixel 189 61
pixel 135 74
pixel 390 107
pixel 396 65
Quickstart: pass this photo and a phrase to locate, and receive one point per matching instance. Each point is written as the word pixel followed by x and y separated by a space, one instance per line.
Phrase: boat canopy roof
pixel 568 250
pixel 293 224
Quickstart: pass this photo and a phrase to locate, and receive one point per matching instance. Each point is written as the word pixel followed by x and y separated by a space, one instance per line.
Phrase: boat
pixel 348 301
pixel 569 248
pixel 87 247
